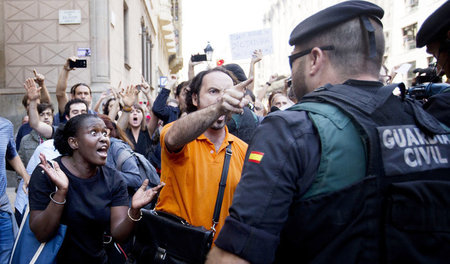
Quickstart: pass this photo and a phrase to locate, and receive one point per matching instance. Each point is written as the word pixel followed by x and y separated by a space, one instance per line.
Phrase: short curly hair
pixel 196 84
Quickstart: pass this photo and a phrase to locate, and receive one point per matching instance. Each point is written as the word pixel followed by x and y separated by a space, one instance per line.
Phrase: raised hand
pixel 256 56
pixel 145 87
pixel 194 63
pixel 104 94
pixel 273 78
pixel 56 175
pixel 39 78
pixel 171 81
pixel 129 95
pixel 33 92
pixel 67 64
pixel 143 196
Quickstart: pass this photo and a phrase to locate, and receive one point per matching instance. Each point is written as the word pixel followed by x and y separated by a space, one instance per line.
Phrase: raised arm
pixel 191 71
pixel 100 100
pixel 147 91
pixel 160 107
pixel 129 97
pixel 116 105
pixel 262 92
pixel 40 80
pixel 61 85
pixel 256 57
pixel 189 127
pixel 33 94
pixel 45 223
pixel 152 124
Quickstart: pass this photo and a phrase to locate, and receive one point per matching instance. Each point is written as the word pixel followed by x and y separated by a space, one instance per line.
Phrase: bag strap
pixel 222 184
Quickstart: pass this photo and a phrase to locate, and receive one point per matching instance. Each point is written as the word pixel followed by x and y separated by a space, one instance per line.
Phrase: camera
pixel 198 57
pixel 78 64
pixel 427 83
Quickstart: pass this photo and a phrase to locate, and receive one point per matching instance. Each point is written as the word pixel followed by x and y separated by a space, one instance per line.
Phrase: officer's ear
pixel 317 60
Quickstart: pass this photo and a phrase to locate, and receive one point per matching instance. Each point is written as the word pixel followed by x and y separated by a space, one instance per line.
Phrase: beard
pixel 219 123
pixel 299 87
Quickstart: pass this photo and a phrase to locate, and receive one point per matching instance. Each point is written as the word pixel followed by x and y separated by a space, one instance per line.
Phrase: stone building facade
pixel 127 39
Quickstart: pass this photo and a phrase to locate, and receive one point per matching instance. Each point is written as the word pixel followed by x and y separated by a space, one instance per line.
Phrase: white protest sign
pixel 243 44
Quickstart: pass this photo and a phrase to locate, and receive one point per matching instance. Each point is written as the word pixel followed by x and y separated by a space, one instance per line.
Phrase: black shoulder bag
pixel 166 238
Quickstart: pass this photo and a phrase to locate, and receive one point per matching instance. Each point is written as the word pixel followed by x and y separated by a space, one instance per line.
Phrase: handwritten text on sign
pixel 243 44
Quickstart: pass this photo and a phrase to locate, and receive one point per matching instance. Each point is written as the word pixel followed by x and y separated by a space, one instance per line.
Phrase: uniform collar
pixel 357 83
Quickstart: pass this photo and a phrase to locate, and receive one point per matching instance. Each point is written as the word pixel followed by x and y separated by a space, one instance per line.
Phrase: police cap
pixel 333 16
pixel 436 24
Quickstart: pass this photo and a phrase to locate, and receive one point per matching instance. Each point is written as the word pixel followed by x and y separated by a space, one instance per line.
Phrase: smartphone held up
pixel 78 64
pixel 198 57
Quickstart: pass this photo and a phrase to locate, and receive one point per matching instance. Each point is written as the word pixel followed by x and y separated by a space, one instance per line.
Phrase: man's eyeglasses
pixel 297 55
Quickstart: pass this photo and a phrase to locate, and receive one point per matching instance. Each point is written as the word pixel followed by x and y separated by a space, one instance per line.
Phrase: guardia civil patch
pixel 406 149
pixel 255 156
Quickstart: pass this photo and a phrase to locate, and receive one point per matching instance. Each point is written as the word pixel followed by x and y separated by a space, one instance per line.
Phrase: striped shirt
pixel 7 149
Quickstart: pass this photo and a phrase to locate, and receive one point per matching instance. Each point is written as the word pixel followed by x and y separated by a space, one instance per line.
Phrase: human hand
pixel 25 185
pixel 145 87
pixel 273 77
pixel 193 63
pixel 142 196
pixel 39 78
pixel 104 94
pixel 67 64
pixel 129 95
pixel 171 81
pixel 33 92
pixel 233 100
pixel 256 56
pixel 56 175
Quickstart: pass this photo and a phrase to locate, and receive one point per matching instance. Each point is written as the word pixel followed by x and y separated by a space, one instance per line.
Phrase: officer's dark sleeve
pixel 160 107
pixel 289 149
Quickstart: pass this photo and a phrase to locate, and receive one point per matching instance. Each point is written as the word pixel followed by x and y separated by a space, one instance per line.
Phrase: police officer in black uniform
pixel 350 174
pixel 435 35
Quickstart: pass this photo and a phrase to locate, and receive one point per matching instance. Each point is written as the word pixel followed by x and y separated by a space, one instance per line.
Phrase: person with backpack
pixel 350 174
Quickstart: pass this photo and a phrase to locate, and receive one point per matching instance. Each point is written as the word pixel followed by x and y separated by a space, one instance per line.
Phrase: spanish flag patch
pixel 255 156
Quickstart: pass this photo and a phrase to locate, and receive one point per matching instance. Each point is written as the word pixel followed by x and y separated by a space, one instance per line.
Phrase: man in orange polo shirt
pixel 193 150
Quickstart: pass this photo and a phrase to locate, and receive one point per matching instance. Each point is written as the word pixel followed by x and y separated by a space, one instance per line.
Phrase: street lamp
pixel 208 51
